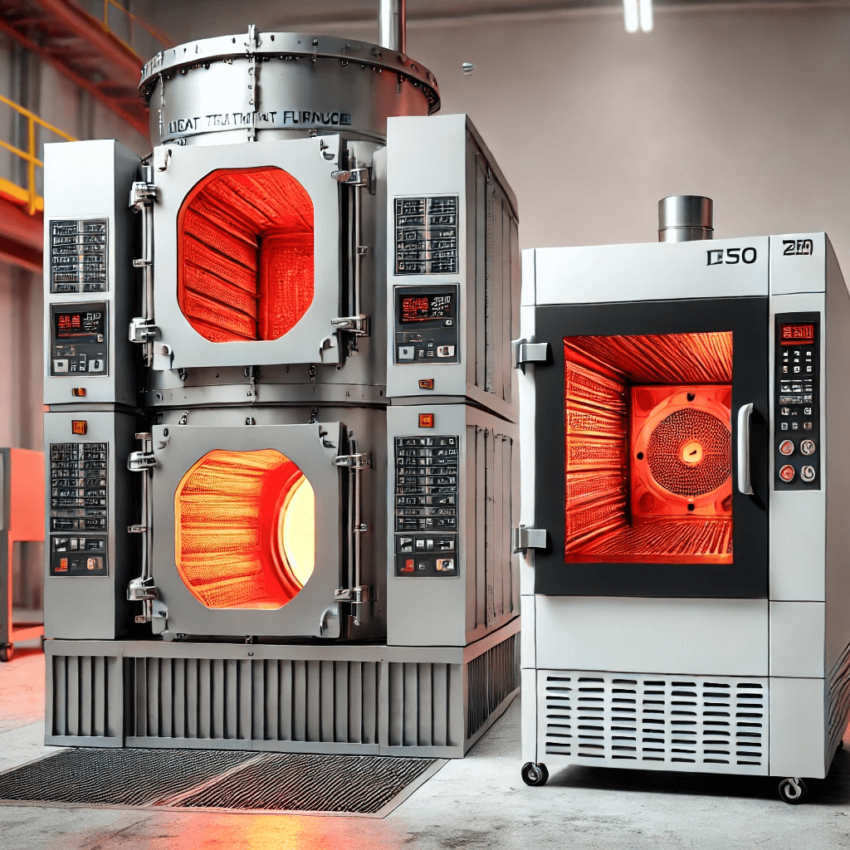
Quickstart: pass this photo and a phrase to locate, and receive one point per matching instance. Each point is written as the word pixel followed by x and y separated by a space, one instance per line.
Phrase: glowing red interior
pixel 648 448
pixel 245 254
pixel 244 529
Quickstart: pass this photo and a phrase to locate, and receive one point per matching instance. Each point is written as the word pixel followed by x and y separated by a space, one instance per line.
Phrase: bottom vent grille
pixel 697 723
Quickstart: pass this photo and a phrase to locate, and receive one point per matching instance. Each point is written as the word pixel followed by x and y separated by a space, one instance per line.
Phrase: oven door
pixel 247 526
pixel 247 254
pixel 651 479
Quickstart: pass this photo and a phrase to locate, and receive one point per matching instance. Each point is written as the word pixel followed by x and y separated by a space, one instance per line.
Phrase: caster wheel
pixel 534 774
pixel 792 790
pixel 7 651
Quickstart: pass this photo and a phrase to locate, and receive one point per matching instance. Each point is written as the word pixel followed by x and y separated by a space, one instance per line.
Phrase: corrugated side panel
pixel 255 700
pixel 490 678
pixel 84 697
pixel 496 274
pixel 492 495
pixel 421 698
pixel 839 700
pixel 715 724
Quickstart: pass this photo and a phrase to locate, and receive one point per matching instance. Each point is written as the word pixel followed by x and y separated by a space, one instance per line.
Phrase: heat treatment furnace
pixel 685 579
pixel 281 431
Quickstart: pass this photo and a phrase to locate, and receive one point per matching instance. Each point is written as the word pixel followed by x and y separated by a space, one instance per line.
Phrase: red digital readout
pixel 797 334
pixel 415 309
pixel 69 321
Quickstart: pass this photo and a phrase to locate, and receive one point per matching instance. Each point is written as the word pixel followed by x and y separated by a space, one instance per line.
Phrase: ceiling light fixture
pixel 638 15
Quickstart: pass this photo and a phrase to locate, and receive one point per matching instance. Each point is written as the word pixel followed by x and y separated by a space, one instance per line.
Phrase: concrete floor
pixel 477 802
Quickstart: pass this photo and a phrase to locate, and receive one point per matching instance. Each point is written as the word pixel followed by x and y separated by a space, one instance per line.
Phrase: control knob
pixel 807 447
pixel 787 473
pixel 807 473
pixel 786 447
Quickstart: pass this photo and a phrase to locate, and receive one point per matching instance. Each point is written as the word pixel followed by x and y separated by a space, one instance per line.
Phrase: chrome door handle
pixel 745 413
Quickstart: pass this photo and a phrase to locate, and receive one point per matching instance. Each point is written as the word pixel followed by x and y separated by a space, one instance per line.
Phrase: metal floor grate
pixel 221 780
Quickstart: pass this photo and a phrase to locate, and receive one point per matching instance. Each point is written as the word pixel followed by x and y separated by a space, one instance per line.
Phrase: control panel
pixel 78 255
pixel 78 339
pixel 426 324
pixel 797 402
pixel 78 503
pixel 426 235
pixel 426 506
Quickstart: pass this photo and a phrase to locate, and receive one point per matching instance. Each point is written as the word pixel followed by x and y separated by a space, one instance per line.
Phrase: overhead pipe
pixel 392 25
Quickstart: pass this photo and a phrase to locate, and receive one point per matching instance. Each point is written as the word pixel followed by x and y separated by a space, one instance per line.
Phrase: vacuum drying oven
pixel 684 580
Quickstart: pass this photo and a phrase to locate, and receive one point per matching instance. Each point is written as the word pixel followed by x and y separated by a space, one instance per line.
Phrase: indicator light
pixel 78 392
pixel 79 426
pixel 426 420
pixel 426 384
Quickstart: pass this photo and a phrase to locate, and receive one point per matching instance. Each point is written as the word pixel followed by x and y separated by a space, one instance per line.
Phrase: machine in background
pixel 684 582
pixel 21 520
pixel 282 430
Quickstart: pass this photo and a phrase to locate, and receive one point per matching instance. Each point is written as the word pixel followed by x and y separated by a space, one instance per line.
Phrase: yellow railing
pixel 132 20
pixel 29 196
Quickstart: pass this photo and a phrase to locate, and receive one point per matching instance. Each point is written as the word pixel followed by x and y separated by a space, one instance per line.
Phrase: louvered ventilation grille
pixel 421 698
pixel 85 696
pixel 682 722
pixel 490 678
pixel 256 700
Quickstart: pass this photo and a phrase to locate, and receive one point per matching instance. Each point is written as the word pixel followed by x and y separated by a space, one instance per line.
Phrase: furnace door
pixel 651 472
pixel 247 528
pixel 247 254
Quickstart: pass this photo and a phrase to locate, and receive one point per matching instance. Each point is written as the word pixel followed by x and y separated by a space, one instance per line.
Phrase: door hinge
pixel 354 595
pixel 353 176
pixel 356 325
pixel 523 538
pixel 141 461
pixel 142 330
pixel 141 589
pixel 355 461
pixel 529 352
pixel 142 195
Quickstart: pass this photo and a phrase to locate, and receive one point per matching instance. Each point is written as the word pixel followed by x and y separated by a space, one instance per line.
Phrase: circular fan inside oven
pixel 689 452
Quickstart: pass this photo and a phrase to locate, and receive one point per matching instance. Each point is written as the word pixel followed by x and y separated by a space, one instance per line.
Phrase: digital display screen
pixel 79 325
pixel 797 334
pixel 426 308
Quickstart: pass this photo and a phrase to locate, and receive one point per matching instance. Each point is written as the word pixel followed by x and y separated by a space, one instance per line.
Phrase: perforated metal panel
pixel 646 721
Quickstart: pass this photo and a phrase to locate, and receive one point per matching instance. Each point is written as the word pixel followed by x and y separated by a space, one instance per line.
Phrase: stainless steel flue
pixel 392 25
pixel 685 218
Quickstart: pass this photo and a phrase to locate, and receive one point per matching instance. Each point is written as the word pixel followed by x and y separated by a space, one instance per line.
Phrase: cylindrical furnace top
pixel 268 86
pixel 685 218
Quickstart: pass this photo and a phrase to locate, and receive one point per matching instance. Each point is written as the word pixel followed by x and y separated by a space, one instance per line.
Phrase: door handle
pixel 745 413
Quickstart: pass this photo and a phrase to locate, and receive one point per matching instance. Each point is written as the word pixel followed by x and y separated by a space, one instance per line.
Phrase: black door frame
pixel 747 576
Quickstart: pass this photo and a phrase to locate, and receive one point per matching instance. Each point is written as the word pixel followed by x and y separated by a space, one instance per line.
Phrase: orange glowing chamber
pixel 244 527
pixel 245 254
pixel 648 449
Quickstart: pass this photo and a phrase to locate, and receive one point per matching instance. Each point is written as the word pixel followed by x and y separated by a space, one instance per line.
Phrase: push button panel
pixel 426 324
pixel 797 402
pixel 426 506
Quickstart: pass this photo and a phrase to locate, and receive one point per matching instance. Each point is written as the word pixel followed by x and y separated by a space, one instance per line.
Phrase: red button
pixel 408 566
pixel 786 447
pixel 787 473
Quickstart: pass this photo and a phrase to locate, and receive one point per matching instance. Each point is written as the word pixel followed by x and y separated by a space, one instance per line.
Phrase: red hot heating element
pixel 648 449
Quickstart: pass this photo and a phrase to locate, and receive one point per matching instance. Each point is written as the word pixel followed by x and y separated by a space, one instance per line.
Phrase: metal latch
pixel 357 325
pixel 142 330
pixel 353 176
pixel 523 538
pixel 142 195
pixel 362 460
pixel 141 461
pixel 353 595
pixel 529 352
pixel 141 589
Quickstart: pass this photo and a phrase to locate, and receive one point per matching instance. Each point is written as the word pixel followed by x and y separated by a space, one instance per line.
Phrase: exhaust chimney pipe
pixel 685 218
pixel 392 25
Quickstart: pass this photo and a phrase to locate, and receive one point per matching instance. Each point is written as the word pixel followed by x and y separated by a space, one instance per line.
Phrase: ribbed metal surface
pixel 839 699
pixel 719 724
pixel 84 697
pixel 421 697
pixel 490 678
pixel 116 777
pixel 256 700
pixel 289 782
